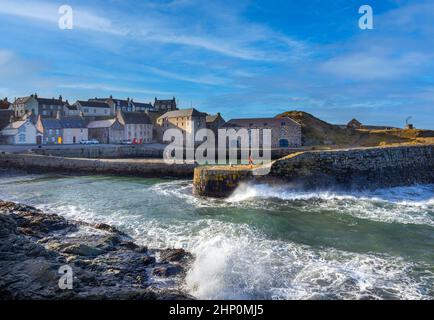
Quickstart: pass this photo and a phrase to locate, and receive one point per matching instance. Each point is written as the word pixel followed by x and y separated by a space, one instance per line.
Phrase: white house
pixel 74 129
pixel 93 108
pixel 20 132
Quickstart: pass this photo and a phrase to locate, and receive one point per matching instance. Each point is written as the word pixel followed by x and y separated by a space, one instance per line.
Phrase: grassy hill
pixel 316 132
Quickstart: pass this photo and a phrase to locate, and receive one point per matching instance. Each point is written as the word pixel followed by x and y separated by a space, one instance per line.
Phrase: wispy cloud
pixel 237 45
pixel 109 88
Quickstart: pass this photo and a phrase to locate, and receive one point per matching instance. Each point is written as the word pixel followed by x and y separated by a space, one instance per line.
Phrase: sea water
pixel 262 242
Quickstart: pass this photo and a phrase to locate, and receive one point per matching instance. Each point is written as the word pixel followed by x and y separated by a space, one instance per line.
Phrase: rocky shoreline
pixel 105 262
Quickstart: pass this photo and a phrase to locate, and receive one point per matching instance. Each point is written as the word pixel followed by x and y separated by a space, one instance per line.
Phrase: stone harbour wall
pixel 128 167
pixel 353 168
pixel 112 152
pixel 365 167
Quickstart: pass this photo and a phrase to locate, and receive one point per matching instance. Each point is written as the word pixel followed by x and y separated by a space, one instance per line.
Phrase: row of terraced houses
pixel 39 120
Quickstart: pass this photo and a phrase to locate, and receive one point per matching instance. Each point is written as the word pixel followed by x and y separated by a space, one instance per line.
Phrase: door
pixel 73 140
pixel 38 140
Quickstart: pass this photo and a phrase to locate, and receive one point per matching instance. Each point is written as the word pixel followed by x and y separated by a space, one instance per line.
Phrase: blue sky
pixel 242 58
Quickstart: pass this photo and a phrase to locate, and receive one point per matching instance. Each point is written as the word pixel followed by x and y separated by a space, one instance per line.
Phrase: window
pixel 94 110
pixel 283 124
pixel 22 137
pixel 50 131
pixel 86 110
pixel 57 132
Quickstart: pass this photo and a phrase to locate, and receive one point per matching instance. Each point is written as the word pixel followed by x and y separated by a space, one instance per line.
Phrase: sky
pixel 242 58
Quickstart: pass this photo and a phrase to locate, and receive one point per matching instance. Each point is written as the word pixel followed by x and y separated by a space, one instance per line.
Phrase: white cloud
pixel 367 66
pixel 110 88
pixel 170 30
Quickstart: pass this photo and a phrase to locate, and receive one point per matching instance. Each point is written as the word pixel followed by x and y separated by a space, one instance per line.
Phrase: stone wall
pixel 353 168
pixel 106 152
pixel 365 167
pixel 145 168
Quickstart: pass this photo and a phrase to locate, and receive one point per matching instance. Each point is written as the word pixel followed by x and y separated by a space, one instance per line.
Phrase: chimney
pixel 111 97
pixel 35 95
pixel 60 97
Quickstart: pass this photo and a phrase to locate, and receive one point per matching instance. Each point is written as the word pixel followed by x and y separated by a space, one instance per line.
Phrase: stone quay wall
pixel 128 167
pixel 105 152
pixel 353 168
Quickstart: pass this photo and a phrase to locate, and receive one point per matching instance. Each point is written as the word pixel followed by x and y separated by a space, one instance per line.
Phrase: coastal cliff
pixel 105 262
pixel 354 168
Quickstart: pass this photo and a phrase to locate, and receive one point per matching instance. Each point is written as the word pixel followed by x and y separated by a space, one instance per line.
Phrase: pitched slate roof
pixel 22 100
pixel 102 123
pixel 15 124
pixel 54 102
pixel 73 123
pixel 169 101
pixel 49 123
pixel 4 104
pixel 93 104
pixel 5 116
pixel 135 118
pixel 247 122
pixel 192 112
pixel 143 105
pixel 72 107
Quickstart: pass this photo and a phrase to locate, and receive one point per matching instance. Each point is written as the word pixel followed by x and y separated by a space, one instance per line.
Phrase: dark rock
pixel 168 271
pixel 174 255
pixel 148 260
pixel 106 264
pixel 82 250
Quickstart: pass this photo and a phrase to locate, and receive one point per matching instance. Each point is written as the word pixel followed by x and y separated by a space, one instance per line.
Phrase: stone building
pixel 19 132
pixel 51 129
pixel 62 130
pixel 138 127
pixel 71 110
pixel 189 121
pixel 285 132
pixel 74 129
pixel 5 104
pixel 215 122
pixel 165 105
pixel 109 131
pixel 125 105
pixel 6 117
pixel 47 108
pixel 94 108
pixel 143 107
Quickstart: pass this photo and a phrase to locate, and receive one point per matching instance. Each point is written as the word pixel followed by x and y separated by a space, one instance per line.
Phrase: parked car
pixel 127 141
pixel 93 141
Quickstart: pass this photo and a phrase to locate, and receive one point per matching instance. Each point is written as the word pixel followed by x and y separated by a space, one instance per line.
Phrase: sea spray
pixel 264 242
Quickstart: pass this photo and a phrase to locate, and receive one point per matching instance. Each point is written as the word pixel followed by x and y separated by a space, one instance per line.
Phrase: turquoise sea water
pixel 263 242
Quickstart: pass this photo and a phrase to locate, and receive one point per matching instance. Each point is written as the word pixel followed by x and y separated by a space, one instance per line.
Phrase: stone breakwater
pixel 353 168
pixel 106 263
pixel 131 167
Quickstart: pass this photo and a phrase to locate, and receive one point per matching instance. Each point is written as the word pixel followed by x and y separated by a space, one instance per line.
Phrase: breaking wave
pixel 244 246
pixel 407 205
